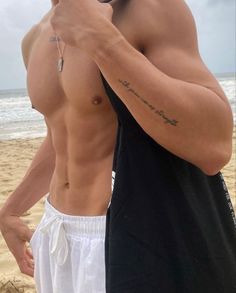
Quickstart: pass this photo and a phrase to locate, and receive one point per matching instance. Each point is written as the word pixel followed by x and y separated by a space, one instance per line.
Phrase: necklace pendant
pixel 60 64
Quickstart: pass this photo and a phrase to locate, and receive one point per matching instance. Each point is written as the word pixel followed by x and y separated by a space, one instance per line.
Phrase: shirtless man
pixel 152 44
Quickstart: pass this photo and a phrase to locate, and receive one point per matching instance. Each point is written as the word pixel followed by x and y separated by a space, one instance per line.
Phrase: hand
pixel 85 24
pixel 16 234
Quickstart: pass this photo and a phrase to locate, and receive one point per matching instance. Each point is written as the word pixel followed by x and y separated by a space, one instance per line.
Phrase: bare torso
pixel 79 116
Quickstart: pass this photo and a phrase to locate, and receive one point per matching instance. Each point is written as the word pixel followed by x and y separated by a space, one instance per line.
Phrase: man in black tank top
pixel 170 226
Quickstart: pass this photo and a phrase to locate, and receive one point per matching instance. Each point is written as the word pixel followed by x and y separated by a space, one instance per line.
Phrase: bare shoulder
pixel 169 39
pixel 28 41
pixel 164 21
pixel 178 22
pixel 30 38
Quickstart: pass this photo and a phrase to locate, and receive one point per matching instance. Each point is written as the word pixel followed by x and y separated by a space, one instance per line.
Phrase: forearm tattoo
pixel 160 113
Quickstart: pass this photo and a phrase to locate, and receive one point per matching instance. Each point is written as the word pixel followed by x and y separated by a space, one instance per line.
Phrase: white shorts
pixel 69 253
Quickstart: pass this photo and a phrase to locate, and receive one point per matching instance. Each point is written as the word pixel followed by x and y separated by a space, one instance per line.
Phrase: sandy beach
pixel 15 157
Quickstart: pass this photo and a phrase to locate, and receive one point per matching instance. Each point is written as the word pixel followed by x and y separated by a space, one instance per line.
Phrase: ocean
pixel 19 120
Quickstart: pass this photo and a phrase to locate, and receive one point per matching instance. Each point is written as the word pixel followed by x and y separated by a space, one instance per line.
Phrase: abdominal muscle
pixel 81 182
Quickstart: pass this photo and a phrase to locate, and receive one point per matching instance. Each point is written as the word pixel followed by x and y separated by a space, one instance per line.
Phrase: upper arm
pixel 48 141
pixel 172 46
pixel 49 132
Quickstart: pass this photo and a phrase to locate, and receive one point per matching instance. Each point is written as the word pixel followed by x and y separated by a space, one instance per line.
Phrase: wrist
pixel 100 44
pixel 106 49
pixel 3 219
pixel 6 217
pixel 3 215
pixel 5 212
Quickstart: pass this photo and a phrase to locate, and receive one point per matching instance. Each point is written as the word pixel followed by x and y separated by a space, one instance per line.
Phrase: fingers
pixel 26 263
pixel 24 259
pixel 16 235
pixel 26 267
pixel 29 254
pixel 28 233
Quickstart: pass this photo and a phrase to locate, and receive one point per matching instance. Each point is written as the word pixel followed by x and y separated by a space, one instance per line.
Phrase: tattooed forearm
pixel 160 113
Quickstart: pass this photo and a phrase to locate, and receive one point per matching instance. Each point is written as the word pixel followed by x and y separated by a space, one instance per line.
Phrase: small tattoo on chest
pixel 54 39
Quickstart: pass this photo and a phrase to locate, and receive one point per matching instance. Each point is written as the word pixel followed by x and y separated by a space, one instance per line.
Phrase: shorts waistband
pixel 76 225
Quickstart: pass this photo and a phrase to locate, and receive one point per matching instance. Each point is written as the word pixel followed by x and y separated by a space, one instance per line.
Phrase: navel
pixel 67 184
pixel 96 100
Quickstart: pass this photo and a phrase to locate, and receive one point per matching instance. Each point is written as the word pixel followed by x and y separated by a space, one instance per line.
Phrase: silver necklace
pixel 60 62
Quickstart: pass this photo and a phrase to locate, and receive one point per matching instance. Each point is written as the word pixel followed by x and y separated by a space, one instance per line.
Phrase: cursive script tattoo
pixel 54 39
pixel 160 113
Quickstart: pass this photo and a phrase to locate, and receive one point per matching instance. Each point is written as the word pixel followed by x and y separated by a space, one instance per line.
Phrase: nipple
pixel 97 100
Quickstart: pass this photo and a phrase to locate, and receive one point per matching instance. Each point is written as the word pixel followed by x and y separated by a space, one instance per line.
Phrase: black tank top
pixel 170 228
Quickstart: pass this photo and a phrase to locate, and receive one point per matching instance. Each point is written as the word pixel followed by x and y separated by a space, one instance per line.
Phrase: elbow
pixel 216 161
pixel 219 152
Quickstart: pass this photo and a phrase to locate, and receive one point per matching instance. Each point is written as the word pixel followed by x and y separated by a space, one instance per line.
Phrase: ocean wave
pixel 19 120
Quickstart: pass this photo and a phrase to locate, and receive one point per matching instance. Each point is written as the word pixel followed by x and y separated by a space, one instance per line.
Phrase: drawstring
pixel 58 244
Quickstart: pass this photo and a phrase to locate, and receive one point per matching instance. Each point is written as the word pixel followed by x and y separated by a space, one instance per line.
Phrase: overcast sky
pixel 215 23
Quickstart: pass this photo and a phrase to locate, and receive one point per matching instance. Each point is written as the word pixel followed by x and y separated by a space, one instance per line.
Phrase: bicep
pixel 174 50
pixel 47 147
pixel 185 65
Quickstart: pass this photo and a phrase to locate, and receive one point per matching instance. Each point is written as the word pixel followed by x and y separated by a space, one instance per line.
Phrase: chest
pixel 80 81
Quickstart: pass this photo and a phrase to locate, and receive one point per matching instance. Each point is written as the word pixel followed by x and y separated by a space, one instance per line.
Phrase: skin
pixel 179 103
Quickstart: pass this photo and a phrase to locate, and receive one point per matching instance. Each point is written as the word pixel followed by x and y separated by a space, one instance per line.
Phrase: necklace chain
pixel 60 62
